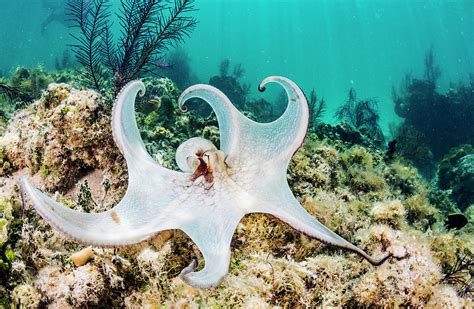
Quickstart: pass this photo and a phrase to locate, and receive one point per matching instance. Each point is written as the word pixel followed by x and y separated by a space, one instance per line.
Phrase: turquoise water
pixel 326 45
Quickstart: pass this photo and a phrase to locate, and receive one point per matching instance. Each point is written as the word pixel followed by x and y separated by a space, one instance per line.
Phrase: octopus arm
pixel 116 227
pixel 246 142
pixel 289 210
pixel 212 233
pixel 127 136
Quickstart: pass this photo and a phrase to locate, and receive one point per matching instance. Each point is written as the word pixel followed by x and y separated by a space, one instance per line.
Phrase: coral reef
pixel 392 209
pixel 31 81
pixel 24 85
pixel 20 88
pixel 407 282
pixel 63 135
pixel 411 147
pixel 447 166
pixel 391 213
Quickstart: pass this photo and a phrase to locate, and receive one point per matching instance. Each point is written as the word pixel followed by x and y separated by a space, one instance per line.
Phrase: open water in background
pixel 327 45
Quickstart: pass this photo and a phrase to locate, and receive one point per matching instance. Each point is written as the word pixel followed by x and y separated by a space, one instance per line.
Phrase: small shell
pixel 82 257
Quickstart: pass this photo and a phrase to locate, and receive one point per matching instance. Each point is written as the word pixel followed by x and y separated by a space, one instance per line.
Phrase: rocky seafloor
pixel 63 142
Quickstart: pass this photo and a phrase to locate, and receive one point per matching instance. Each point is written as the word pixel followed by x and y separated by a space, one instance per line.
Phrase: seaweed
pixel 362 115
pixel 148 29
pixel 432 70
pixel 84 197
pixel 391 150
pixel 238 70
pixel 224 67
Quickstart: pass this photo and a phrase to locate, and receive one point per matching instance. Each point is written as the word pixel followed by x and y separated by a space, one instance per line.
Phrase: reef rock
pixel 63 135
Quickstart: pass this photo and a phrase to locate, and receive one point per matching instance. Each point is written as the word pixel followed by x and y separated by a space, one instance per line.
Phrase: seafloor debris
pixel 82 257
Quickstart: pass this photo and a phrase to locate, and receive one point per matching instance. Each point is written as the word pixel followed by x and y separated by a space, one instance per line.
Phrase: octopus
pixel 213 191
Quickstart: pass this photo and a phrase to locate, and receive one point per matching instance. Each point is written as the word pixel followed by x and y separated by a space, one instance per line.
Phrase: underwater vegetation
pixel 425 111
pixel 12 93
pixel 24 85
pixel 456 173
pixel 148 29
pixel 19 89
pixel 317 109
pixel 362 115
pixel 410 145
pixel 436 135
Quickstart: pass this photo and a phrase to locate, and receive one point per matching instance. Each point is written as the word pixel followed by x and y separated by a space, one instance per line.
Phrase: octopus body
pixel 212 192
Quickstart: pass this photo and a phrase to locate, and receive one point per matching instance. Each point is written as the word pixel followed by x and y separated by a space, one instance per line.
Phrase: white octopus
pixel 211 194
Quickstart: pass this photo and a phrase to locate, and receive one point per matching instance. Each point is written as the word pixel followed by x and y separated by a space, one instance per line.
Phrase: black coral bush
pixel 444 119
pixel 148 29
pixel 362 115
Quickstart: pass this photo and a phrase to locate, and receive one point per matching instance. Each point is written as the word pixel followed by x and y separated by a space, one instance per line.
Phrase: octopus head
pixel 201 158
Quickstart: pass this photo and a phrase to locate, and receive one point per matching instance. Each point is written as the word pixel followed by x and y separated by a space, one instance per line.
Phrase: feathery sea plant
pixel 361 114
pixel 432 70
pixel 460 275
pixel 224 67
pixel 91 17
pixel 317 108
pixel 148 29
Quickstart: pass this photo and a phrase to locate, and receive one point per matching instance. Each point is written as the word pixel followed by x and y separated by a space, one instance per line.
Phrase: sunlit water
pixel 330 46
